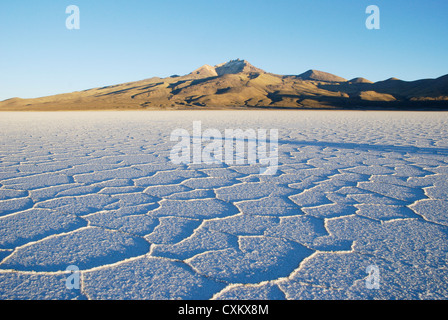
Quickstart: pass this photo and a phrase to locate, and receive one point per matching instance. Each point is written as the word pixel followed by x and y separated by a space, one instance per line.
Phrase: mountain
pixel 205 71
pixel 360 80
pixel 230 67
pixel 235 67
pixel 238 84
pixel 316 75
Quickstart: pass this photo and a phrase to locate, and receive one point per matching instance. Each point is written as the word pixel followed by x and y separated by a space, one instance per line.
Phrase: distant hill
pixel 315 75
pixel 239 85
pixel 360 80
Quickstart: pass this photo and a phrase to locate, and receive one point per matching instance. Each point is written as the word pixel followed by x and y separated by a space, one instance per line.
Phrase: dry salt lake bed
pixel 358 208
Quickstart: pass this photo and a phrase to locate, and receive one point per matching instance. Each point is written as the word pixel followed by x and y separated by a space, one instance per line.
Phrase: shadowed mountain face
pixel 238 84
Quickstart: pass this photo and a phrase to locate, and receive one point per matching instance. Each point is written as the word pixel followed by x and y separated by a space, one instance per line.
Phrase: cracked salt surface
pixel 97 190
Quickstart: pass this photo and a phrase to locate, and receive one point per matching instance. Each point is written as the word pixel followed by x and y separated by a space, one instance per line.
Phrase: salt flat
pixel 98 190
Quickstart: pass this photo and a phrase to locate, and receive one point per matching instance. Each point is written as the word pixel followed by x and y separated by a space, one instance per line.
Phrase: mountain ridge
pixel 237 84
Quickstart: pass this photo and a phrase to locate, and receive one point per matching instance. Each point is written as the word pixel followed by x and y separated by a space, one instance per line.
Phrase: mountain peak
pixel 229 67
pixel 317 75
pixel 360 80
pixel 236 66
pixel 206 71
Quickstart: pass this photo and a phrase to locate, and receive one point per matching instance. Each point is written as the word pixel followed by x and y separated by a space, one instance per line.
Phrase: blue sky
pixel 122 41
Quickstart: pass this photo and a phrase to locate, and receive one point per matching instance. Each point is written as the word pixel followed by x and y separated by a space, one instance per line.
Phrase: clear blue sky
pixel 122 41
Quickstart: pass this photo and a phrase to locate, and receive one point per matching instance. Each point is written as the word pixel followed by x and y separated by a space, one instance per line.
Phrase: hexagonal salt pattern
pixel 98 190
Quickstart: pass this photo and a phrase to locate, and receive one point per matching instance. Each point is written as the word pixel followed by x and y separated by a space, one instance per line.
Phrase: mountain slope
pixel 238 84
